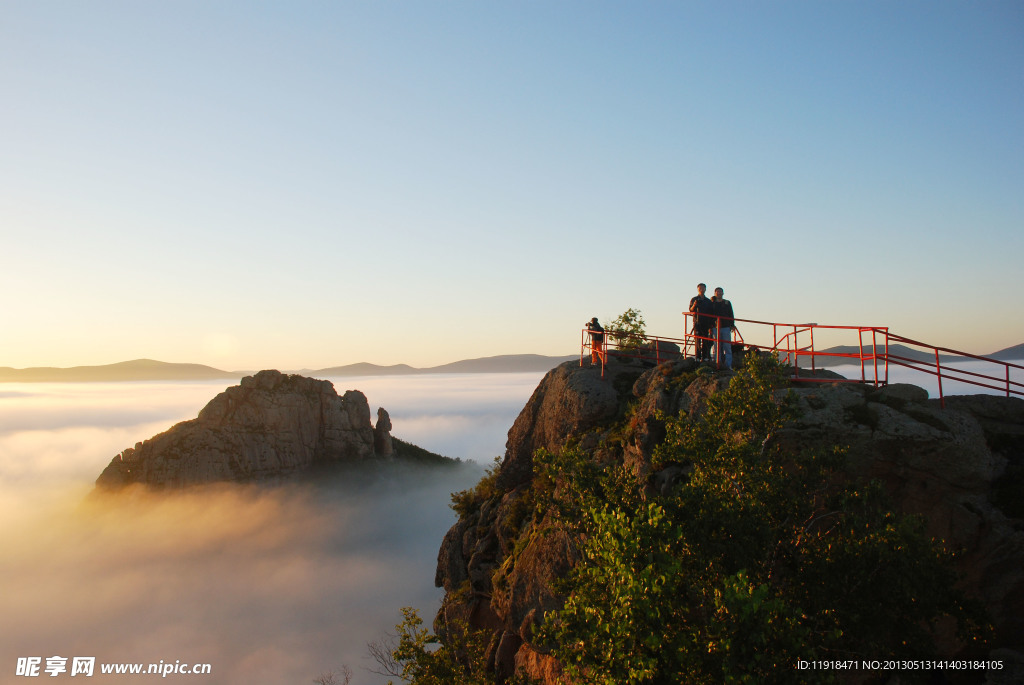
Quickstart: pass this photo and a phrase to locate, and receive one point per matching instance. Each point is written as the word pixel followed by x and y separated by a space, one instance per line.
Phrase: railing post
pixel 938 374
pixel 814 368
pixel 860 343
pixel 1007 367
pixel 691 340
pixel 887 355
pixel 874 354
pixel 686 333
pixel 795 354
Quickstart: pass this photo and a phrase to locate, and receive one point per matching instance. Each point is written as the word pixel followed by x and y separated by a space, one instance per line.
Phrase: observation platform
pixel 871 348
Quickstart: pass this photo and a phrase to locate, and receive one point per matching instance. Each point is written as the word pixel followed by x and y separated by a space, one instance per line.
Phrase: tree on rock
pixel 629 329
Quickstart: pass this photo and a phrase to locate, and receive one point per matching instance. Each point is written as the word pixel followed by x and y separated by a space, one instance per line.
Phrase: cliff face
pixel 271 425
pixel 959 467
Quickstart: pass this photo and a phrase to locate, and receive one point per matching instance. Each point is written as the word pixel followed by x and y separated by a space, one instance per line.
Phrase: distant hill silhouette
pixel 503 363
pixel 1009 354
pixel 151 370
pixel 364 369
pixel 136 370
pixel 897 350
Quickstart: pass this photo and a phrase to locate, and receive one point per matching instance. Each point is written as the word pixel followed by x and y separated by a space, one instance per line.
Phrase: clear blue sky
pixel 303 184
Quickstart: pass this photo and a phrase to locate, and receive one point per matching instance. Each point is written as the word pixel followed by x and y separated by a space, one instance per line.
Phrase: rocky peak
pixel 960 467
pixel 269 426
pixel 569 400
pixel 382 443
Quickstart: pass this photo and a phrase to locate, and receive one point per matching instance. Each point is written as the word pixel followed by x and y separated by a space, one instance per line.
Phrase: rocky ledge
pixel 269 427
pixel 960 467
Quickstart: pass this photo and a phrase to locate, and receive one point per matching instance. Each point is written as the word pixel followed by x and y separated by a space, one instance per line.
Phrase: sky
pixel 307 184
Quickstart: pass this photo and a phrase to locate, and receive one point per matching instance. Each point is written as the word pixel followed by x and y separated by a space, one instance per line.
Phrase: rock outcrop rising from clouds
pixel 270 426
pixel 961 467
pixel 382 443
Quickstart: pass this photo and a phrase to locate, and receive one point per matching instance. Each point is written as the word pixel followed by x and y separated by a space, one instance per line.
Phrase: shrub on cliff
pixel 417 656
pixel 629 329
pixel 756 561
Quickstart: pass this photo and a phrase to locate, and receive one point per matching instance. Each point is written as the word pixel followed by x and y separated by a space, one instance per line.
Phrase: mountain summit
pixel 270 426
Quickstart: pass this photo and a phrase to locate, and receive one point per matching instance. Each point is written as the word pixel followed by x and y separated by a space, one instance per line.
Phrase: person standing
pixel 701 307
pixel 723 338
pixel 596 331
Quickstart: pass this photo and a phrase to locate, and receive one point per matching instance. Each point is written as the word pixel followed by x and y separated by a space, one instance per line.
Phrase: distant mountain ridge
pixel 1015 352
pixel 135 370
pixel 504 363
pixel 152 370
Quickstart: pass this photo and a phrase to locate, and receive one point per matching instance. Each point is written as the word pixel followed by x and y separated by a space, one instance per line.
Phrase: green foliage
pixel 467 501
pixel 756 561
pixel 421 658
pixel 414 453
pixel 629 329
pixel 571 483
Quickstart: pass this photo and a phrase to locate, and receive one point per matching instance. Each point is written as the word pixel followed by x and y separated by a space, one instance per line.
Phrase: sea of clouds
pixel 268 585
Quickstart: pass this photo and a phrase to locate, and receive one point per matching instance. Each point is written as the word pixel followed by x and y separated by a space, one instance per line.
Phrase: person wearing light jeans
pixel 723 335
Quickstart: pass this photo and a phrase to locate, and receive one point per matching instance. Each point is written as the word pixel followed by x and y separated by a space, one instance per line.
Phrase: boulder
pixel 269 426
pixel 901 392
pixel 570 399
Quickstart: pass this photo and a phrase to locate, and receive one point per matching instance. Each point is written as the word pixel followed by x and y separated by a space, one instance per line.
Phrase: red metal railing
pixel 945 370
pixel 874 355
pixel 795 344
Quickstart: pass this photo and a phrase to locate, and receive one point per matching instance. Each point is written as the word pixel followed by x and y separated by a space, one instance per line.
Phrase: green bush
pixel 467 501
pixel 629 329
pixel 419 657
pixel 416 656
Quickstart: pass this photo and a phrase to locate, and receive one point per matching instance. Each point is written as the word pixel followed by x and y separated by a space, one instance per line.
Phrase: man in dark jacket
pixel 701 307
pixel 723 338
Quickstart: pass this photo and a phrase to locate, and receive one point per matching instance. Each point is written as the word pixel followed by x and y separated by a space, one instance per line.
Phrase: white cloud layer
pixel 269 585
